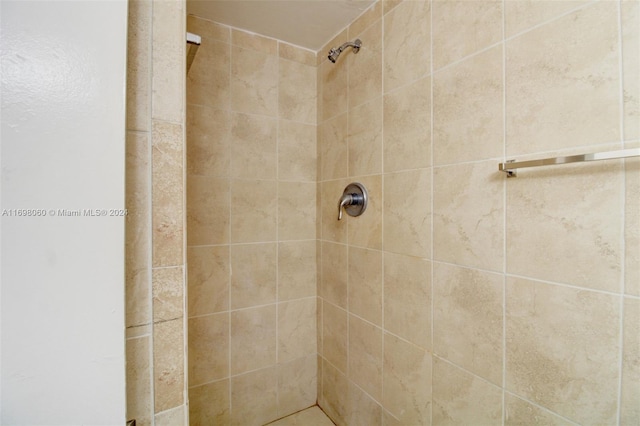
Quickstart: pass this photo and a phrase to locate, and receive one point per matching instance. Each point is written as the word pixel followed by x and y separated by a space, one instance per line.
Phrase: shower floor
pixel 312 416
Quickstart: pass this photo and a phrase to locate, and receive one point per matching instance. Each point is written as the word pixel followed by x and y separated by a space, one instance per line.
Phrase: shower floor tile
pixel 312 416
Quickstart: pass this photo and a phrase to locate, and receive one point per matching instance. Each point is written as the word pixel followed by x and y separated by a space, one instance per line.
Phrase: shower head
pixel 336 51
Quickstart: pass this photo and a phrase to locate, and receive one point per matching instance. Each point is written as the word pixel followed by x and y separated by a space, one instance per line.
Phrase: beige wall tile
pixel 521 413
pixel 168 364
pixel 332 228
pixel 407 127
pixel 363 410
pixel 365 67
pixel 406 59
pixel 254 147
pixel 173 417
pixel 208 141
pixel 296 216
pixel 365 356
pixel 565 214
pixel 210 404
pixel 365 20
pixel 208 81
pixel 334 82
pixel 139 65
pixel 334 336
pixel 468 321
pixel 139 404
pixel 297 92
pixel 208 275
pixel 407 213
pixel 296 329
pixel 468 215
pixel 468 109
pixel 254 42
pixel 333 148
pixel 407 298
pixel 630 15
pixel 629 407
pixel 253 338
pixel 335 387
pixel 319 336
pixel 254 397
pixel 167 193
pixel 138 229
pixel 208 348
pixel 365 138
pixel 168 293
pixel 168 60
pixel 521 15
pixel 208 210
pixel 407 371
pixel 296 270
pixel 334 273
pixel 564 74
pixel 366 230
pixel 365 284
pixel 297 385
pixel 297 151
pixel 461 28
pixel 254 205
pixel 297 54
pixel 632 225
pixel 460 398
pixel 254 276
pixel 254 82
pixel 208 29
pixel 563 349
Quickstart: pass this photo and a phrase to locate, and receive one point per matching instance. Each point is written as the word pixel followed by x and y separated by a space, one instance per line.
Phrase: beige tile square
pixel 632 225
pixel 522 15
pixel 254 146
pixel 139 405
pixel 407 298
pixel 168 364
pixel 365 356
pixel 468 215
pixel 254 274
pixel 407 213
pixel 406 59
pixel 168 293
pixel 208 210
pixel 254 205
pixel 468 320
pixel 208 141
pixel 167 192
pixel 208 348
pixel 333 229
pixel 334 272
pixel 139 65
pixel 254 42
pixel 210 404
pixel 460 398
pixel 560 226
pixel 312 416
pixel 296 329
pixel 297 386
pixel 407 370
pixel 332 148
pixel 366 230
pixel 461 28
pixel 365 68
pixel 297 92
pixel 363 410
pixel 174 417
pixel 335 386
pixel 208 275
pixel 333 80
pixel 296 270
pixel 407 127
pixel 630 14
pixel 519 412
pixel 254 82
pixel 209 80
pixel 297 54
pixel 253 339
pixel 296 216
pixel 365 284
pixel 254 397
pixel 468 109
pixel 334 336
pixel 563 349
pixel 629 407
pixel 564 74
pixel 208 30
pixel 365 138
pixel 367 19
pixel 297 151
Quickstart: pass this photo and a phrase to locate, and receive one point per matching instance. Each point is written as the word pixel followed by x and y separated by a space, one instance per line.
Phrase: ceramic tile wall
pixel 251 227
pixel 156 382
pixel 460 296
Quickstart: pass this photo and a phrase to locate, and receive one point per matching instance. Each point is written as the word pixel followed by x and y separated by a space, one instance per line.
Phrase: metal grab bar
pixel 510 167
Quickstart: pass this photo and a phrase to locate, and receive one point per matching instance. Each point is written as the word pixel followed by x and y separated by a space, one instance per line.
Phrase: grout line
pixel 504 214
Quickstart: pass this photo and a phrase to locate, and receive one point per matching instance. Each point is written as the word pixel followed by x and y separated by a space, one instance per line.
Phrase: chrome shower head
pixel 336 51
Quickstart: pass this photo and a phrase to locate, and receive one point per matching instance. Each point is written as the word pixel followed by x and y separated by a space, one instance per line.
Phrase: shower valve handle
pixel 353 200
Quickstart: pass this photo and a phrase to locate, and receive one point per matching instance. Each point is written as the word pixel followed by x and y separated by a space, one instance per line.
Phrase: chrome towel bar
pixel 510 167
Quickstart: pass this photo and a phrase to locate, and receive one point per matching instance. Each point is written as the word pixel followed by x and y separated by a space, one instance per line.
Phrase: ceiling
pixel 305 23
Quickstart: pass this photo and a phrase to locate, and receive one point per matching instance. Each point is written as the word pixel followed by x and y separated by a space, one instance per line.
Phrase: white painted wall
pixel 62 288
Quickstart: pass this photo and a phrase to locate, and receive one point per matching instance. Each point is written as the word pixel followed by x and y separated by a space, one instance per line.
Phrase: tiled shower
pixel 459 296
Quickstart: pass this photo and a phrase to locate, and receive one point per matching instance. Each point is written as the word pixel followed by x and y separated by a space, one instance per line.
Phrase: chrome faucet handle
pixel 345 200
pixel 354 200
